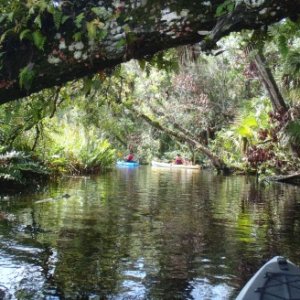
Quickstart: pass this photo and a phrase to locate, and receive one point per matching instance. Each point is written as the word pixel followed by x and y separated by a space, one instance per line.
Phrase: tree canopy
pixel 46 43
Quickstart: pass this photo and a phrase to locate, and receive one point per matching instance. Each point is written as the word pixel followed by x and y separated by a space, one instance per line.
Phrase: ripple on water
pixel 205 290
pixel 21 276
pixel 20 279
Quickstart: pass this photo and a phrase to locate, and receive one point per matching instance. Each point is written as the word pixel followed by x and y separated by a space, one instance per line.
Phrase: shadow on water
pixel 144 234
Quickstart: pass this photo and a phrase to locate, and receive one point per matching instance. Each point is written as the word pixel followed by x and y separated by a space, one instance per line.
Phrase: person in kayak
pixel 129 157
pixel 178 160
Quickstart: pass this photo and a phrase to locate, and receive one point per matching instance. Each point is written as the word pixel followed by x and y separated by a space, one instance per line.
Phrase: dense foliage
pixel 44 43
pixel 233 108
pixel 18 170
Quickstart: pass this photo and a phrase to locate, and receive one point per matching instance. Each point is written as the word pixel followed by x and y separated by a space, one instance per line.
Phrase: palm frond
pixel 292 131
pixel 292 62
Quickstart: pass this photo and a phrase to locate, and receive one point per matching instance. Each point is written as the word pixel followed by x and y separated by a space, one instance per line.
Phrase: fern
pixel 100 12
pixel 64 19
pixel 38 21
pixel 78 20
pixel 95 155
pixel 38 39
pixel 292 63
pixel 16 167
pixel 282 44
pixel 292 131
pixel 103 34
pixel 57 18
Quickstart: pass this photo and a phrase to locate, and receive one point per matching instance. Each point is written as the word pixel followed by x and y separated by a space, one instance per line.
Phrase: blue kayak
pixel 127 164
pixel 277 279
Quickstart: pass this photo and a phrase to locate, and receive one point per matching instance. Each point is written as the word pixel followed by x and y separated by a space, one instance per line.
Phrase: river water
pixel 144 233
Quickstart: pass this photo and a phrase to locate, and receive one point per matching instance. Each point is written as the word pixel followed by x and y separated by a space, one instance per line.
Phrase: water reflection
pixel 144 234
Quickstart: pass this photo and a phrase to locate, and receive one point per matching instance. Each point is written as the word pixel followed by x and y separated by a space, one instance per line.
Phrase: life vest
pixel 130 157
pixel 178 161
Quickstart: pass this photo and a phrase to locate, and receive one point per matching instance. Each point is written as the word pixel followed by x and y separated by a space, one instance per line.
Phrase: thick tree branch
pixel 172 122
pixel 217 162
pixel 269 83
pixel 45 48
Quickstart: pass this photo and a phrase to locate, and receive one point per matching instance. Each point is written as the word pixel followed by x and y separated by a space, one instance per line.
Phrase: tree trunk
pixel 291 178
pixel 269 83
pixel 276 98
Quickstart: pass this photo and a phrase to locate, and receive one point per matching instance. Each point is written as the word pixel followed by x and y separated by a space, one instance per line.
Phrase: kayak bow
pixel 277 279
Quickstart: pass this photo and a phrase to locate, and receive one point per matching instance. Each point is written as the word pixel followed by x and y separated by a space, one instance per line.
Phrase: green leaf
pixel 250 121
pixel 103 34
pixel 77 36
pixel 2 18
pixel 219 10
pixel 31 10
pixel 3 36
pixel 38 21
pixel 25 34
pixel 64 19
pixel 230 7
pixel 245 131
pixel 51 9
pixel 26 77
pixel 10 16
pixel 126 28
pixel 98 11
pixel 57 18
pixel 91 29
pixel 39 40
pixel 225 7
pixel 78 20
pixel 282 44
pixel 293 131
pixel 121 43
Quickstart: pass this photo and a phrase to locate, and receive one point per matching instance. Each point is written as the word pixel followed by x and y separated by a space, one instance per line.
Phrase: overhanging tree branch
pixel 174 124
pixel 217 162
pixel 42 47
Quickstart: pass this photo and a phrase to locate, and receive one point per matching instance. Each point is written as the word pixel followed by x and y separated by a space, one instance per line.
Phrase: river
pixel 144 233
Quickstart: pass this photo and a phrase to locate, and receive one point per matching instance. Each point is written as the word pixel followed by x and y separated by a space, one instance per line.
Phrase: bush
pixel 18 170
